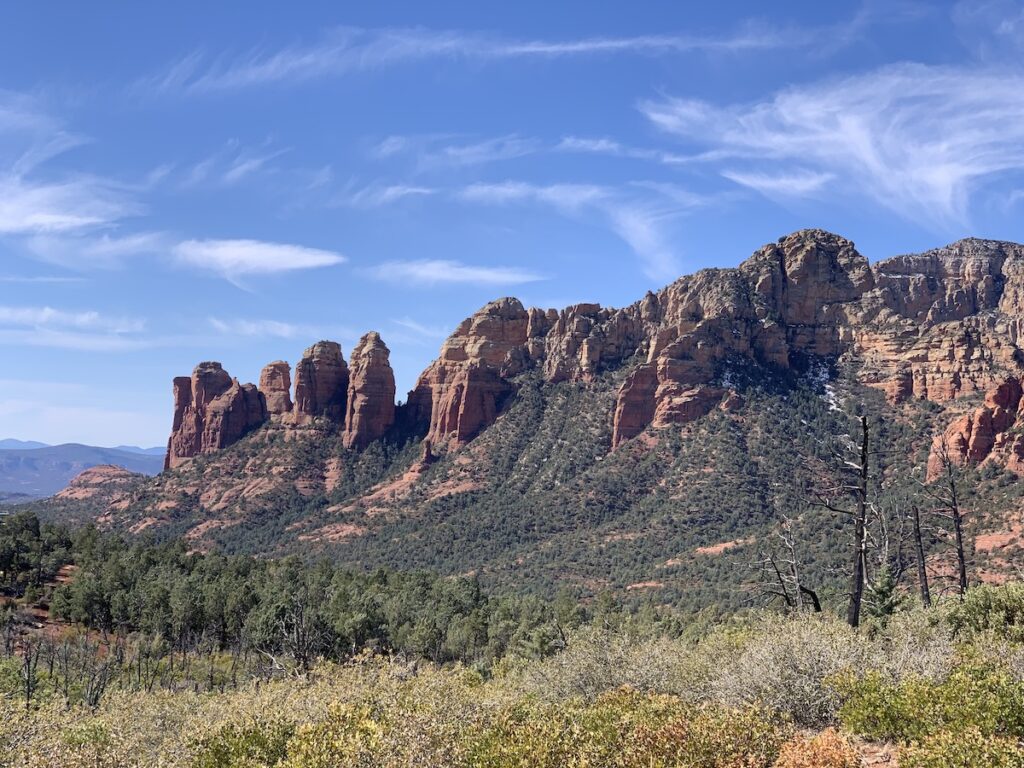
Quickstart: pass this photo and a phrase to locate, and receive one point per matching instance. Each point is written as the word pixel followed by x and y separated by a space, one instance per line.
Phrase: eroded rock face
pixel 276 384
pixel 370 409
pixel 321 384
pixel 983 435
pixel 211 412
pixel 937 326
pixel 462 391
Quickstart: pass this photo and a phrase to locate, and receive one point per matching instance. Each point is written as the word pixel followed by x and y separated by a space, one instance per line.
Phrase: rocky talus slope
pixel 929 341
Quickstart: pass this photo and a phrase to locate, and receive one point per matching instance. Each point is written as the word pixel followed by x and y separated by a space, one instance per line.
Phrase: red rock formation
pixel 462 391
pixel 101 480
pixel 211 411
pixel 321 384
pixel 983 435
pixel 276 385
pixel 634 409
pixel 370 410
pixel 938 326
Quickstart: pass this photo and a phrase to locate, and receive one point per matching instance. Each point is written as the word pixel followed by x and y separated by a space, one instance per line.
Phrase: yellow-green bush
pixel 999 610
pixel 967 748
pixel 977 694
pixel 349 737
pixel 627 729
pixel 254 745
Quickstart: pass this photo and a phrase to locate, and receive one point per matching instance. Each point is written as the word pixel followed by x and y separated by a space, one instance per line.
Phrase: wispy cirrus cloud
pixel 347 50
pixel 796 184
pixel 66 329
pixel 420 329
pixel 431 152
pixel 640 214
pixel 377 195
pixel 916 139
pixel 90 251
pixel 29 206
pixel 451 272
pixel 613 148
pixel 31 203
pixel 48 317
pixel 233 259
pixel 566 196
pixel 263 328
pixel 231 164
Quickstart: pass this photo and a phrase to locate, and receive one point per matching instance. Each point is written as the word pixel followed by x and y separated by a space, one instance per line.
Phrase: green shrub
pixel 999 610
pixel 784 665
pixel 977 694
pixel 349 737
pixel 628 730
pixel 963 749
pixel 258 745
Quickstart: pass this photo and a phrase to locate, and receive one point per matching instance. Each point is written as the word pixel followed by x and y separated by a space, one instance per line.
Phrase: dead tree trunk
pixel 949 499
pixel 922 572
pixel 958 529
pixel 860 531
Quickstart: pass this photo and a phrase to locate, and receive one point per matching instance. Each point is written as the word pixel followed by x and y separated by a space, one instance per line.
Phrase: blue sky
pixel 235 181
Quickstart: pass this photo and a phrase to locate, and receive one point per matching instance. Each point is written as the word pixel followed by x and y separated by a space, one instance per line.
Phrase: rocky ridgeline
pixel 212 410
pixel 935 326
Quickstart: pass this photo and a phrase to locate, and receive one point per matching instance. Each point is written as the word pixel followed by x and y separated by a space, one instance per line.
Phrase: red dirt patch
pixel 334 532
pixel 717 549
pixel 645 585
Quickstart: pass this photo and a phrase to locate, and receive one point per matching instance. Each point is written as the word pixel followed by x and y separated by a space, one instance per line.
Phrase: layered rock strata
pixel 938 326
pixel 370 406
pixel 211 411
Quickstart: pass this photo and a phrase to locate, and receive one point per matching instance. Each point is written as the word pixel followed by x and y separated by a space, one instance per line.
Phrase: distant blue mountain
pixel 9 444
pixel 38 472
pixel 159 450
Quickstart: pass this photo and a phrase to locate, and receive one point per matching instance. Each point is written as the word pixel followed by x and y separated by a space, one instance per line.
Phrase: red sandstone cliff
pixel 370 410
pixel 936 326
pixel 211 411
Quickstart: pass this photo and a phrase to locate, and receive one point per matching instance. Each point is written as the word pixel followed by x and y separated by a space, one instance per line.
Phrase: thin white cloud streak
pixel 570 197
pixel 230 165
pixel 643 222
pixel 347 50
pixel 446 271
pixel 72 340
pixel 41 317
pixel 433 151
pixel 479 152
pixel 247 165
pixel 232 259
pixel 916 139
pixel 262 328
pixel 88 331
pixel 427 331
pixel 239 258
pixel 41 279
pixel 31 207
pixel 798 184
pixel 95 252
pixel 613 148
pixel 376 196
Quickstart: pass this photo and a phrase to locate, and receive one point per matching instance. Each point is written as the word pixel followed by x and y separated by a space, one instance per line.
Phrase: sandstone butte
pixel 936 326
